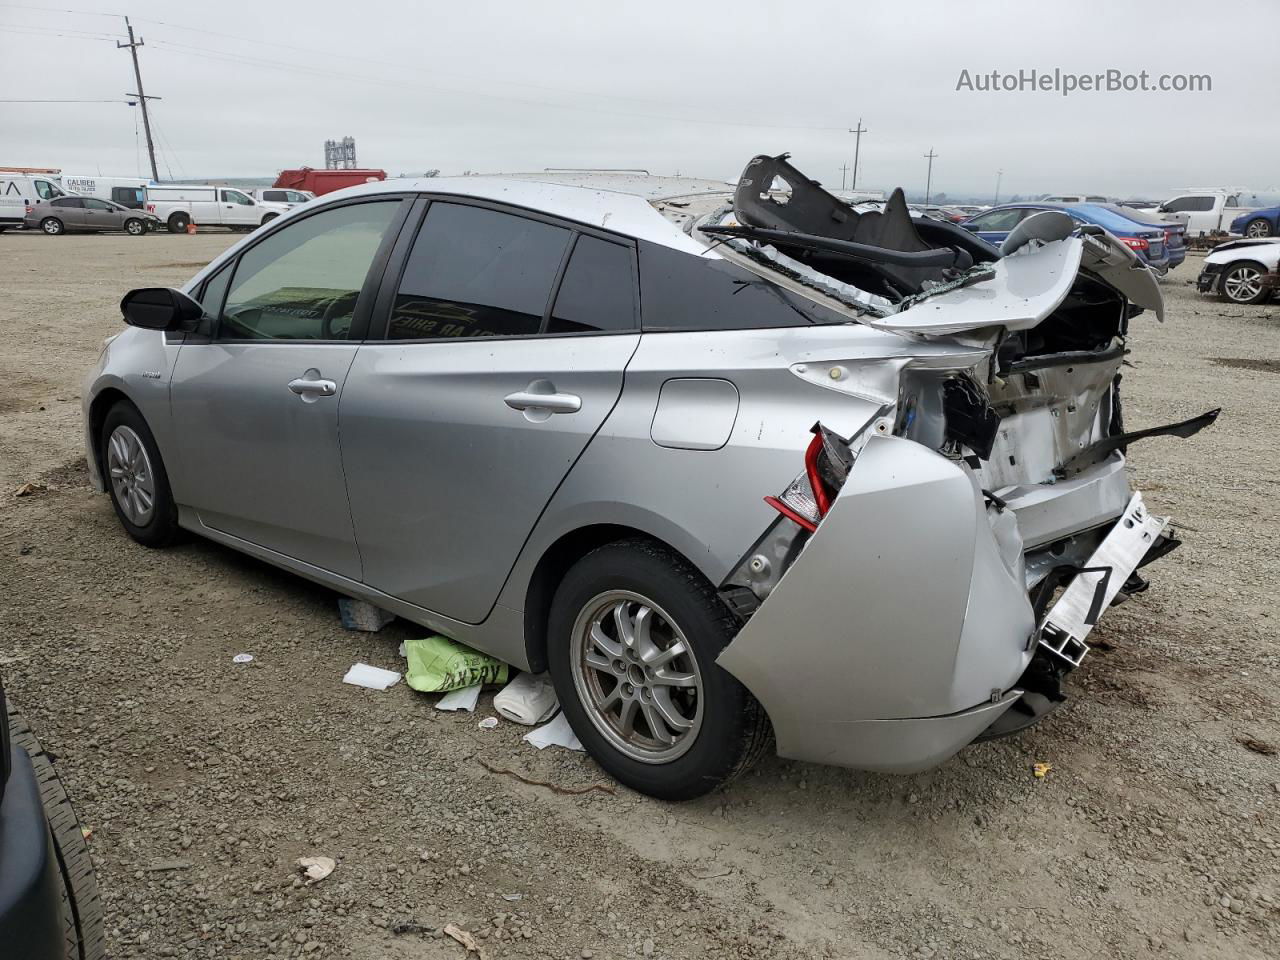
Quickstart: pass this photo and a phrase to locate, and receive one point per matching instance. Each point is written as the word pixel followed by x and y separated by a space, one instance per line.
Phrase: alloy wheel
pixel 132 479
pixel 1242 283
pixel 636 674
pixel 1258 228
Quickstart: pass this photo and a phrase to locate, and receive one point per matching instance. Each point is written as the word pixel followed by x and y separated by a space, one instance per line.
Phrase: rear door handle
pixel 313 388
pixel 555 402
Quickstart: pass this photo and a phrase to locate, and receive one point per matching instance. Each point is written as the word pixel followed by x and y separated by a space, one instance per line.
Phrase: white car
pixel 1242 271
pixel 290 198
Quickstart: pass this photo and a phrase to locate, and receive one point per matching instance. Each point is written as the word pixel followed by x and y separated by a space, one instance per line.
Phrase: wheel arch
pixel 101 405
pixel 554 564
pixel 1242 262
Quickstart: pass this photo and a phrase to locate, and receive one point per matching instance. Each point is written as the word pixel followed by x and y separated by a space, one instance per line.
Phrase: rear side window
pixel 302 282
pixel 597 293
pixel 276 196
pixel 683 291
pixel 475 272
pixel 998 220
pixel 67 202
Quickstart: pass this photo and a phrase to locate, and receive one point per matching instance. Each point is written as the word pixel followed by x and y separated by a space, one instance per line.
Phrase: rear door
pixel 506 338
pixel 994 225
pixel 71 211
pixel 255 401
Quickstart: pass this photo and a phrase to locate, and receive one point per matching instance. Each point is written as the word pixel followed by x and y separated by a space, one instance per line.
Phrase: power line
pixel 5 100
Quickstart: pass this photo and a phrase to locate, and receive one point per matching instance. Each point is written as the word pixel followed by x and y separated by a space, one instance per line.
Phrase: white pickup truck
pixel 178 205
pixel 1204 211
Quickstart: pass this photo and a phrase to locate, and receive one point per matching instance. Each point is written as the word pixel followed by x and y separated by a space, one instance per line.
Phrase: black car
pixel 49 903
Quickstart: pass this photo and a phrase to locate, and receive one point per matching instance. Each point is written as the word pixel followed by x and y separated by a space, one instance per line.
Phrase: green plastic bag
pixel 437 665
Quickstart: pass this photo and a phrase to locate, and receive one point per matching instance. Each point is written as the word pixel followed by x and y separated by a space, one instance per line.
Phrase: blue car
pixel 1158 243
pixel 1257 223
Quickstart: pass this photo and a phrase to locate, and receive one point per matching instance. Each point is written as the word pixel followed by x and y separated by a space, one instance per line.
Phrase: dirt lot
pixel 1154 834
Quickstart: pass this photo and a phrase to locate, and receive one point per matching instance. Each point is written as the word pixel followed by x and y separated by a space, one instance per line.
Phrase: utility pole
pixel 844 170
pixel 133 46
pixel 996 201
pixel 929 179
pixel 857 145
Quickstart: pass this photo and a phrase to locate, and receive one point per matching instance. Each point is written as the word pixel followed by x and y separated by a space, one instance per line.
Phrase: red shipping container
pixel 326 181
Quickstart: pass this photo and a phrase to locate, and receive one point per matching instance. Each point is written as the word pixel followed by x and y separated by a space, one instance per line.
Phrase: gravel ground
pixel 1154 833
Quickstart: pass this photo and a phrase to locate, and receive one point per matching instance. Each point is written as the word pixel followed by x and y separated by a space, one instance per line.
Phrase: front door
pixel 255 404
pixel 504 353
pixel 100 215
pixel 236 208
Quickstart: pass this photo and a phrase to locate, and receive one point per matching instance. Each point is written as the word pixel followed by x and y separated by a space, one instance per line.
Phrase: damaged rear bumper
pixel 904 628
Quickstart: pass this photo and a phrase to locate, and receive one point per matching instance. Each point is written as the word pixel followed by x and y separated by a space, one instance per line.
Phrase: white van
pixel 17 189
pixel 180 204
pixel 126 191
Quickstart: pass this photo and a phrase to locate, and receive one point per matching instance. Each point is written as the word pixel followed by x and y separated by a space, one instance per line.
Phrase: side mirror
pixel 160 308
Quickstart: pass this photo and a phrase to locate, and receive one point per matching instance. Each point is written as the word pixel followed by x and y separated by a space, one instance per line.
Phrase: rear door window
pixel 476 272
pixel 998 220
pixel 68 202
pixel 597 294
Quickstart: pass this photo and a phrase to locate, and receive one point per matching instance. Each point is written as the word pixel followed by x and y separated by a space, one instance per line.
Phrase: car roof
pixel 621 202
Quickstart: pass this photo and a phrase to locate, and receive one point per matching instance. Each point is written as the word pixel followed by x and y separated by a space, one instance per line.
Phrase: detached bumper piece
pixel 1091 592
pixel 1208 279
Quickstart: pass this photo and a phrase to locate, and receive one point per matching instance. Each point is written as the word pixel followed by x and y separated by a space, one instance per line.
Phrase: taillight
pixel 809 496
pixel 1134 243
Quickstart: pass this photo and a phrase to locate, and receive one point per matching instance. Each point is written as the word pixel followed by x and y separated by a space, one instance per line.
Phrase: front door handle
pixel 554 402
pixel 305 387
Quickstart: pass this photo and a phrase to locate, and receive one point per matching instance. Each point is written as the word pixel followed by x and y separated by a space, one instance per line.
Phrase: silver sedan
pixel 738 466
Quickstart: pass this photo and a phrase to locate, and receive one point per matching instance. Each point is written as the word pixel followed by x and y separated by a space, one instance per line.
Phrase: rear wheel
pixel 1242 282
pixel 268 218
pixel 136 478
pixel 178 223
pixel 82 915
pixel 52 226
pixel 134 227
pixel 634 634
pixel 1259 228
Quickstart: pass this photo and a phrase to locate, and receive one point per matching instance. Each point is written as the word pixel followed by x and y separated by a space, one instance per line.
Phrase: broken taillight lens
pixel 809 496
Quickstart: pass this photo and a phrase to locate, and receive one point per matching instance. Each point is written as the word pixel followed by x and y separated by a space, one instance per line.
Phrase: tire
pixel 727 729
pixel 82 913
pixel 268 218
pixel 140 494
pixel 1242 282
pixel 1258 228
pixel 178 223
pixel 135 227
pixel 52 226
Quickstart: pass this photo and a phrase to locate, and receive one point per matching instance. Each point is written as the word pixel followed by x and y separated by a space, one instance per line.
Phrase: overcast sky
pixel 693 86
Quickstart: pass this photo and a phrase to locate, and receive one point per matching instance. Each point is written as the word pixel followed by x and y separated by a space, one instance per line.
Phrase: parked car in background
pixel 178 205
pixel 50 908
pixel 1076 198
pixel 1264 222
pixel 87 215
pixel 1140 204
pixel 1242 271
pixel 763 486
pixel 290 198
pixel 1150 242
pixel 20 188
pixel 1204 211
pixel 1175 232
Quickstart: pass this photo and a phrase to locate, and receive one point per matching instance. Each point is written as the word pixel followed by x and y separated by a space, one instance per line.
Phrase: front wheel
pixel 268 218
pixel 1259 228
pixel 634 634
pixel 52 226
pixel 178 223
pixel 135 228
pixel 1242 283
pixel 136 478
